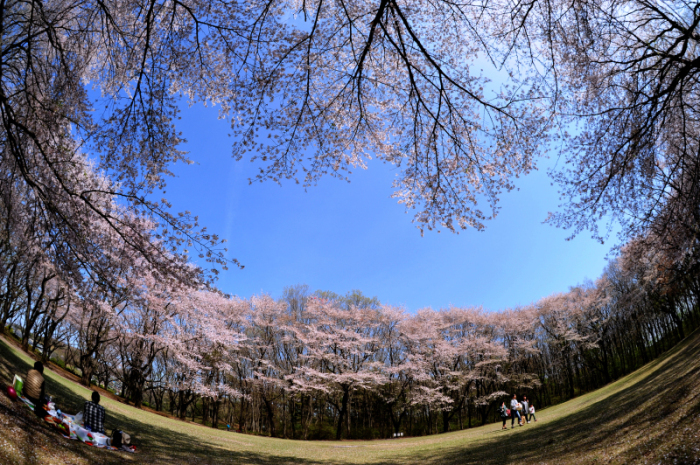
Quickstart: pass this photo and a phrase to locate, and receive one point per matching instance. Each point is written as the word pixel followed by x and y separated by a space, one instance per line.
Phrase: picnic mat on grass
pixel 66 425
pixel 88 441
pixel 70 429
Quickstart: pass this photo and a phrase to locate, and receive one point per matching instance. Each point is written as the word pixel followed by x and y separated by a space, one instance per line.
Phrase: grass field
pixel 651 416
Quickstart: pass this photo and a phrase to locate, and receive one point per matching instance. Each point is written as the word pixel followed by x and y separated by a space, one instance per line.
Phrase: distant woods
pixel 98 274
pixel 321 365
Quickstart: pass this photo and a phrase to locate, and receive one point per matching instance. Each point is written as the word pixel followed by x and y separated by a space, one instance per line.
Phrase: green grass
pixel 651 416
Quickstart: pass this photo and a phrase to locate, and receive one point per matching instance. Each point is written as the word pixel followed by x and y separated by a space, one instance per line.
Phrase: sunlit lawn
pixel 651 416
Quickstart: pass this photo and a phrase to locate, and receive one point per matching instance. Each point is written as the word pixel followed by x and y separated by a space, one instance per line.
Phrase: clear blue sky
pixel 340 236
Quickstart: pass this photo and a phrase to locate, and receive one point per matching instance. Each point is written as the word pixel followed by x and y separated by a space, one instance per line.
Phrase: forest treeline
pixel 99 275
pixel 321 365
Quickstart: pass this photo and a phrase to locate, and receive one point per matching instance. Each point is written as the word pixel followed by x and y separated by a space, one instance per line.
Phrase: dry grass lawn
pixel 650 417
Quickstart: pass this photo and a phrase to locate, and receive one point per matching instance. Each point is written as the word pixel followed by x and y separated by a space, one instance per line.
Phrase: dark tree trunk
pixel 270 416
pixel 215 414
pixel 87 369
pixel 343 411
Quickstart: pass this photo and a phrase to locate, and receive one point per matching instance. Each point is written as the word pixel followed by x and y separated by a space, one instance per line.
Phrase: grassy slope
pixel 651 416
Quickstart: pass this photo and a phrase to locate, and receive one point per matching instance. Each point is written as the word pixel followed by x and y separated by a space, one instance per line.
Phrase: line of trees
pixel 93 268
pixel 322 365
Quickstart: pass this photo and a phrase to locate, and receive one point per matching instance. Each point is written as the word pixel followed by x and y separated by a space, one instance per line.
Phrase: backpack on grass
pixel 120 438
pixel 116 438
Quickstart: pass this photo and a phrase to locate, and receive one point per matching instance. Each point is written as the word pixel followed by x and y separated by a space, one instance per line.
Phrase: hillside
pixel 651 416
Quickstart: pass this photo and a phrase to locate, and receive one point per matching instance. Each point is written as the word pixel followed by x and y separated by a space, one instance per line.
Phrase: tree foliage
pixel 93 268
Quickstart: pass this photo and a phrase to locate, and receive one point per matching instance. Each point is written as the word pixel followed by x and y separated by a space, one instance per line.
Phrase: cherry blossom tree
pixel 340 352
pixel 621 80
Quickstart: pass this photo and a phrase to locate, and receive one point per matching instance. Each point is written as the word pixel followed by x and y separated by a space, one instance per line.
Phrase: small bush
pixel 365 433
pixel 324 432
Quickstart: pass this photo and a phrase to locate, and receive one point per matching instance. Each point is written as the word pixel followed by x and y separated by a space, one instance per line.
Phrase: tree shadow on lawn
pixel 31 434
pixel 155 444
pixel 622 423
pixel 666 391
pixel 160 445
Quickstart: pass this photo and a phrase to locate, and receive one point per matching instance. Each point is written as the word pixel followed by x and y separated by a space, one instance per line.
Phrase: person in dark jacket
pixel 94 414
pixel 526 410
pixel 34 389
pixel 503 412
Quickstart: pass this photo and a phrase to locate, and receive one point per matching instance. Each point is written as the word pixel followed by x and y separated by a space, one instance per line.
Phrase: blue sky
pixel 341 236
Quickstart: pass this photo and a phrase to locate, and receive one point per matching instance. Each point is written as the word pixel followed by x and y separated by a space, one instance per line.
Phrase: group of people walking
pixel 522 410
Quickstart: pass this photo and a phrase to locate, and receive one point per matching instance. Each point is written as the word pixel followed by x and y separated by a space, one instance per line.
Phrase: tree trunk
pixel 206 401
pixel 215 414
pixel 86 372
pixel 135 387
pixel 270 415
pixel 446 417
pixel 343 410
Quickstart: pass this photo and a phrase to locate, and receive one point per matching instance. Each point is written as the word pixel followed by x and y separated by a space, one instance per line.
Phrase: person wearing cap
pixel 94 414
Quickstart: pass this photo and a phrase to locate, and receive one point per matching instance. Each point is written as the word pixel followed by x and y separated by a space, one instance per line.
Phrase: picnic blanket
pixel 71 426
pixel 73 429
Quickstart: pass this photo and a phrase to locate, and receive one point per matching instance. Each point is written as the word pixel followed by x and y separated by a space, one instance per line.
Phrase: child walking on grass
pixel 532 412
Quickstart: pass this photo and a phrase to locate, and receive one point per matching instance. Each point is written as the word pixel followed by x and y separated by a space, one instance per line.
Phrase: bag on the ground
pixel 17 383
pixel 117 438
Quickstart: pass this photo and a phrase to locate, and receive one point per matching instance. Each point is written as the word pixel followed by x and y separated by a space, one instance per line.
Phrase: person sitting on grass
pixel 34 389
pixel 94 414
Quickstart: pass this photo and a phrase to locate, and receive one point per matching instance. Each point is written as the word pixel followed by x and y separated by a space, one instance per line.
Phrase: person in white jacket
pixel 532 412
pixel 514 412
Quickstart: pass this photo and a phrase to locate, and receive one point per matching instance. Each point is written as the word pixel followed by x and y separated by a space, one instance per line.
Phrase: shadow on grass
pixel 155 444
pixel 163 445
pixel 620 428
pixel 624 427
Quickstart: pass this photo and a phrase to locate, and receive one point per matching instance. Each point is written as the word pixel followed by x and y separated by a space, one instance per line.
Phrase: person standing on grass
pixel 503 411
pixel 94 414
pixel 532 413
pixel 514 412
pixel 34 389
pixel 526 409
